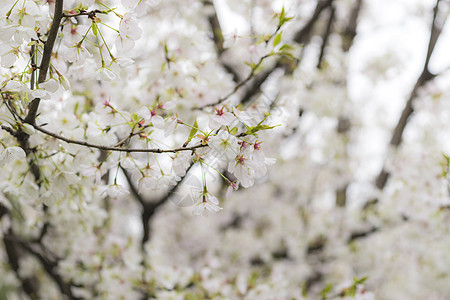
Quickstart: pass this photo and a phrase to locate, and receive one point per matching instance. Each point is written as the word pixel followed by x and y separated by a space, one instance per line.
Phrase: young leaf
pixel 325 291
pixel 259 127
pixel 233 131
pixel 194 130
pixel 277 39
pixel 94 28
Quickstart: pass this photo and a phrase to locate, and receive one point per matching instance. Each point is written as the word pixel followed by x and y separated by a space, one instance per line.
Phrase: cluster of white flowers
pixel 148 103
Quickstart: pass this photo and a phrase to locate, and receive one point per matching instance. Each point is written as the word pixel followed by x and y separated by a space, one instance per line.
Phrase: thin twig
pixel 239 85
pixel 84 13
pixel 115 148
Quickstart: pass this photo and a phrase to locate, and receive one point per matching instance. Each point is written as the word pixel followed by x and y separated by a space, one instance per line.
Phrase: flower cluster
pixel 112 111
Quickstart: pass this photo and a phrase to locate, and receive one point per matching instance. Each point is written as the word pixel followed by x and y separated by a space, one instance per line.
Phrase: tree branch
pixel 344 124
pixel 350 31
pixel 50 267
pixel 13 251
pixel 149 207
pixel 116 148
pixel 46 56
pixel 240 84
pixel 424 77
pixel 326 35
pixel 219 39
pixel 90 14
pixel 304 34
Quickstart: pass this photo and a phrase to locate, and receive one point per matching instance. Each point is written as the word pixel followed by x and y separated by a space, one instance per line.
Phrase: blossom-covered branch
pixel 46 56
pixel 115 148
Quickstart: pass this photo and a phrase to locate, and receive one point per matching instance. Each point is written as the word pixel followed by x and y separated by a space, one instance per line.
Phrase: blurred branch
pixel 219 39
pixel 361 234
pixel 326 35
pixel 344 124
pixel 148 207
pixel 13 251
pixel 350 32
pixel 303 35
pixel 3 210
pixel 255 87
pixel 51 269
pixel 425 76
pixel 16 248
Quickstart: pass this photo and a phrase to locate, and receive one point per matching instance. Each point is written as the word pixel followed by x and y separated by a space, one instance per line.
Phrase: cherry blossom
pixel 224 144
pixel 205 204
pixel 123 123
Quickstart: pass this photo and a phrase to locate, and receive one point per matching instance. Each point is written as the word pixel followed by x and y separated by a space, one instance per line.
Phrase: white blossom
pixel 224 144
pixel 10 154
pixel 206 203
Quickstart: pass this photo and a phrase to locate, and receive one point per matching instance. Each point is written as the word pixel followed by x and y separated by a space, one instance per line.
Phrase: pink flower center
pixel 219 112
pixel 241 160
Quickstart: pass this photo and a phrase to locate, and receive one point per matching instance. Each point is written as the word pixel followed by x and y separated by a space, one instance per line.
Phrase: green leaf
pixel 94 28
pixel 282 14
pixel 351 290
pixel 304 290
pixel 135 117
pixel 233 131
pixel 286 48
pixel 325 291
pixel 361 280
pixel 259 127
pixel 277 39
pixel 250 64
pixel 191 296
pixel 194 130
pixel 282 18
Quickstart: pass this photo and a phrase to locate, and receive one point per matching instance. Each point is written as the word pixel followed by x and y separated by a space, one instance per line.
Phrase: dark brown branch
pixel 350 32
pixel 361 234
pixel 218 38
pixel 90 14
pixel 148 207
pixel 215 27
pixel 14 251
pixel 254 88
pixel 51 269
pixel 326 35
pixel 341 196
pixel 151 207
pixel 304 34
pixel 46 56
pixel 33 66
pixel 3 211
